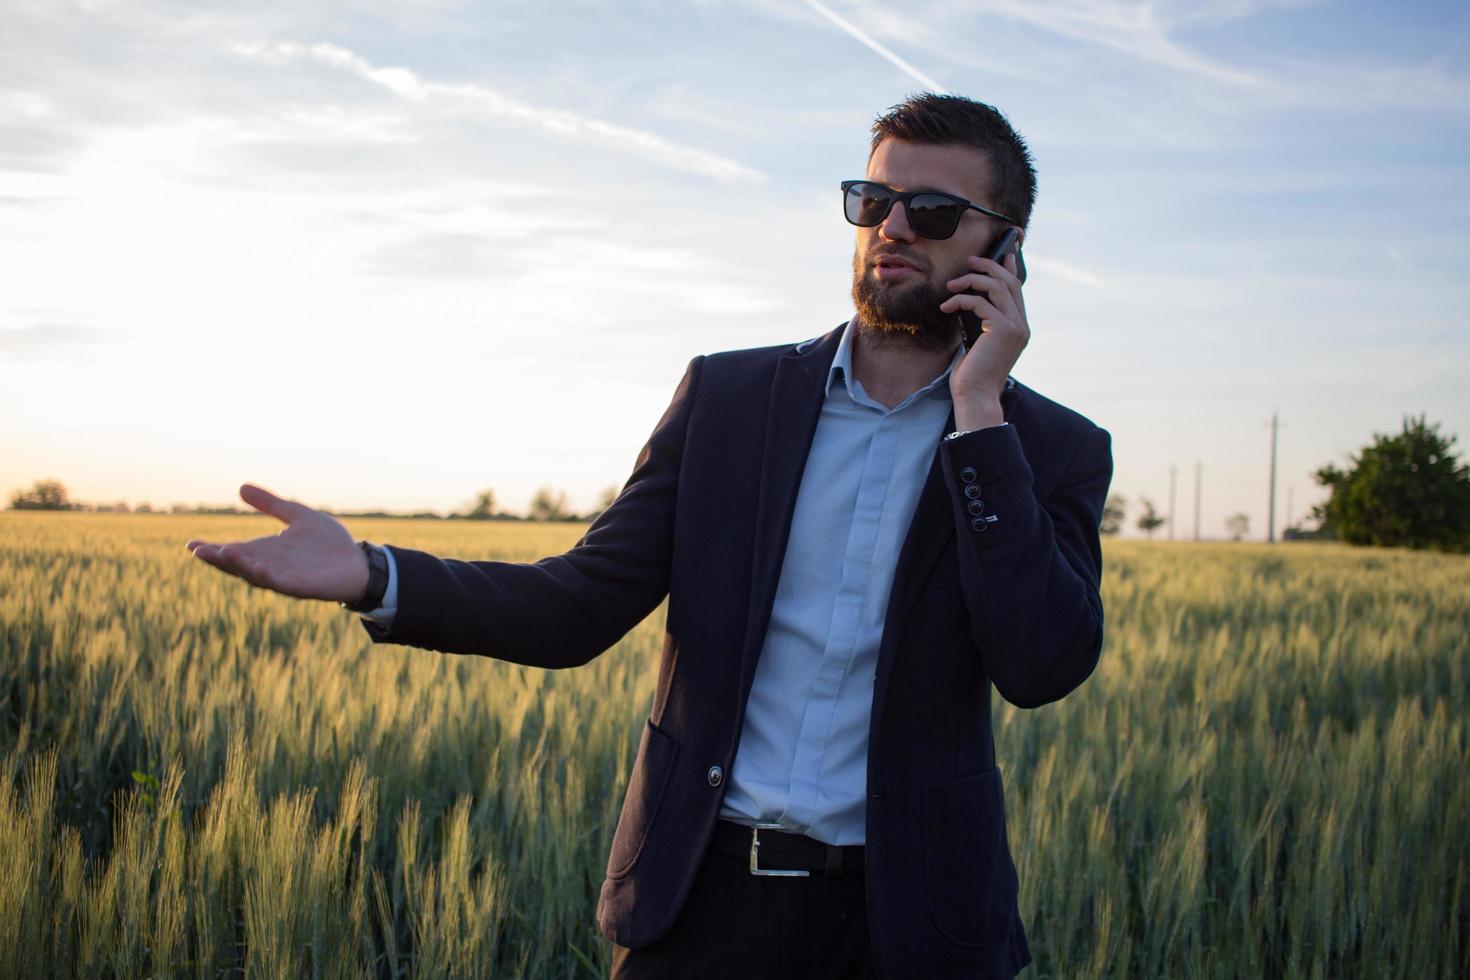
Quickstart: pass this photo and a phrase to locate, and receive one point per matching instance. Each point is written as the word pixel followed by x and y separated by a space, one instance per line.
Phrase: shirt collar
pixel 841 369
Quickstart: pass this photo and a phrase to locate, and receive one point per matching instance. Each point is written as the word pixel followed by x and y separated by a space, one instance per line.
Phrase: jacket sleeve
pixel 560 611
pixel 1031 574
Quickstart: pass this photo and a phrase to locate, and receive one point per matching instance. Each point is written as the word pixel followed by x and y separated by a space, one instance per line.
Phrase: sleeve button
pixel 976 507
pixel 980 525
pixel 972 491
pixel 968 474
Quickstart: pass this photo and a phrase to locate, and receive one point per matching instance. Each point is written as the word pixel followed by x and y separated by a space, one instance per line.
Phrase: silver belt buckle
pixel 755 850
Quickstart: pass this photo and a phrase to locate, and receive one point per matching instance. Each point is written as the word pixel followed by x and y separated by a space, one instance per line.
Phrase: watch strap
pixel 377 584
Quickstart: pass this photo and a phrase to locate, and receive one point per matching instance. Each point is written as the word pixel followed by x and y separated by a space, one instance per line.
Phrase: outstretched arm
pixel 561 611
pixel 557 612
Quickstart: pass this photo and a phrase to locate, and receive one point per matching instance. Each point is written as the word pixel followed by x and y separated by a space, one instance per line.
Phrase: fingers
pixel 973 302
pixel 240 560
pixel 1005 272
pixel 994 320
pixel 991 283
pixel 987 287
pixel 230 558
pixel 286 511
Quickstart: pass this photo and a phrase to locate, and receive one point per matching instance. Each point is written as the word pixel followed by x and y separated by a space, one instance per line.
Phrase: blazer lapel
pixel 930 530
pixel 797 392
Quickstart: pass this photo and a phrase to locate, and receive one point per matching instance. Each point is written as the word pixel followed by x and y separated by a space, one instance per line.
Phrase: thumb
pixel 266 502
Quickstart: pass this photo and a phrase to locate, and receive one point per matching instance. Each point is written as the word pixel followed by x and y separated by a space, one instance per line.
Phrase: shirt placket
pixel 846 625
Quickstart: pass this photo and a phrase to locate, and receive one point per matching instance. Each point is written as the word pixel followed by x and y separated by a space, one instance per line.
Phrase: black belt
pixel 780 854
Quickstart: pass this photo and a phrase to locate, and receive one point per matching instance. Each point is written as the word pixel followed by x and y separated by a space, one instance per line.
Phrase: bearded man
pixel 858 536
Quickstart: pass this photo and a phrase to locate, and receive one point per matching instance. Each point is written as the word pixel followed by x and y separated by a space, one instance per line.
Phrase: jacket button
pixel 968 474
pixel 716 775
pixel 976 507
pixel 980 524
pixel 972 490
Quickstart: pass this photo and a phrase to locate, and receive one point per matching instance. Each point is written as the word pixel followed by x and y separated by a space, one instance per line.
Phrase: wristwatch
pixel 377 579
pixel 956 435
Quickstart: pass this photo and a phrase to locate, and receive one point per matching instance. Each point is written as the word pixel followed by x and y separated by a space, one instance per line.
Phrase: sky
pixel 385 255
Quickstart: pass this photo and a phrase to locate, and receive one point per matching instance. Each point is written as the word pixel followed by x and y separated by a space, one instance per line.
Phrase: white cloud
pixel 1067 272
pixel 1134 29
pixel 53 340
pixel 407 84
pixel 1334 85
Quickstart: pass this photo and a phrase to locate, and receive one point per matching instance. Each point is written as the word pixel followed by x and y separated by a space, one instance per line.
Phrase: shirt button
pixel 968 474
pixel 716 775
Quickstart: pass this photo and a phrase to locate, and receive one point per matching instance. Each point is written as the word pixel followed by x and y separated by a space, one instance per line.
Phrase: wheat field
pixel 1267 776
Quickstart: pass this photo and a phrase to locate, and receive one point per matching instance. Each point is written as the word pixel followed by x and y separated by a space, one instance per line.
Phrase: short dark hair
pixel 949 120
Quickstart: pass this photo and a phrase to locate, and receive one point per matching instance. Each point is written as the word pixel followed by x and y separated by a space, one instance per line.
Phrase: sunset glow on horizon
pixel 379 256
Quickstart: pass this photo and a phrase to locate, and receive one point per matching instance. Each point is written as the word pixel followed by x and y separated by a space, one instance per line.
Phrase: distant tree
pixel 604 501
pixel 1238 525
pixel 44 495
pixel 144 508
pixel 549 505
pixel 1113 513
pixel 1299 533
pixel 484 508
pixel 1149 521
pixel 1408 490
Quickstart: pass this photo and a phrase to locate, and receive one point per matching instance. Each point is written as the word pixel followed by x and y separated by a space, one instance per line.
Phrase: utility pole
pixel 1271 519
pixel 1196 499
pixel 1286 523
pixel 1173 473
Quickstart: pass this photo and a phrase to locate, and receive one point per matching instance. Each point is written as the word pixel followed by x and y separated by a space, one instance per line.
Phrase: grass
pixel 1266 777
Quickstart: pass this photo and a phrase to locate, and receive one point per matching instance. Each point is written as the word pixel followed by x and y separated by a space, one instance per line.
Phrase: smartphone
pixel 1007 241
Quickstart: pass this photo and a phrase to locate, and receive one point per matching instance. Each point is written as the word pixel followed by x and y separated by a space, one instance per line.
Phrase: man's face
pixel 898 277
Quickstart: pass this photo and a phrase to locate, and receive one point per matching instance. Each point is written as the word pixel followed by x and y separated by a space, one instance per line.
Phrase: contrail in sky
pixel 898 62
pixel 410 85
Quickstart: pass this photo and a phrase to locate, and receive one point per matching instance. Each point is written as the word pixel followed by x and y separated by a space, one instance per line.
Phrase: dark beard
pixel 908 317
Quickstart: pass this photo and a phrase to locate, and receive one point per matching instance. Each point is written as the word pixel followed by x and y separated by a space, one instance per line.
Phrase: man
pixel 858 535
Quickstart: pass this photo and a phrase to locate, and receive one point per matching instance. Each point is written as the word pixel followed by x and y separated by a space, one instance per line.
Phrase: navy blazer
pixel 704 520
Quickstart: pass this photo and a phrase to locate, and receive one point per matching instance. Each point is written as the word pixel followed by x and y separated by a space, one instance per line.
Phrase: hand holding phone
pixel 984 294
pixel 1006 242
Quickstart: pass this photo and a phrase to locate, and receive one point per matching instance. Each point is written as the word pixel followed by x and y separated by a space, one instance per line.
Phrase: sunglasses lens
pixel 933 215
pixel 866 204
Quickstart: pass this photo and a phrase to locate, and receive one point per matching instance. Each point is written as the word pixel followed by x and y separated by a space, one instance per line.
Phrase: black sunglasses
pixel 932 214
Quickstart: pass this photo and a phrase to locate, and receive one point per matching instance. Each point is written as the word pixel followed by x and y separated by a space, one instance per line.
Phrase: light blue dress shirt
pixel 803 753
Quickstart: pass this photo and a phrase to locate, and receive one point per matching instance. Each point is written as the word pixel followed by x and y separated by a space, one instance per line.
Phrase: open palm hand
pixel 315 557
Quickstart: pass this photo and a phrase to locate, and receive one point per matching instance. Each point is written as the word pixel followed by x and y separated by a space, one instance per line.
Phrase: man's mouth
pixel 892 267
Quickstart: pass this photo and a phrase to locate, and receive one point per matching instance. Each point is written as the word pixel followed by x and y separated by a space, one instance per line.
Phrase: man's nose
pixel 896 227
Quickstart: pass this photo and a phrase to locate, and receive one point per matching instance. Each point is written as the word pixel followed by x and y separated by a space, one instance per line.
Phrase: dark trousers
pixel 736 924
